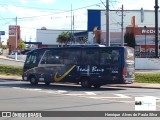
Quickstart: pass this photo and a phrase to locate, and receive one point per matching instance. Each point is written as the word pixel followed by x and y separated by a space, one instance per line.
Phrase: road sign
pixel 2 32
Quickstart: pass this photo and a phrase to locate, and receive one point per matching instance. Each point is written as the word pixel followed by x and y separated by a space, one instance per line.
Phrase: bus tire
pixel 97 86
pixel 47 83
pixel 33 80
pixel 85 82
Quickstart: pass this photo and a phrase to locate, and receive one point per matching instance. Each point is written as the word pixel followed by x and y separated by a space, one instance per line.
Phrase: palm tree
pixel 64 38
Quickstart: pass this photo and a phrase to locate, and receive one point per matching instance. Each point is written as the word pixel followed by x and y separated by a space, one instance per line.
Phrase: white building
pixel 48 37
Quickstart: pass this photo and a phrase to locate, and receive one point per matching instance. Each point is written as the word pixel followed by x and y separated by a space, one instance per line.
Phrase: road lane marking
pixel 90 93
pixel 30 89
pixel 117 96
pixel 122 96
pixel 16 87
pixel 62 91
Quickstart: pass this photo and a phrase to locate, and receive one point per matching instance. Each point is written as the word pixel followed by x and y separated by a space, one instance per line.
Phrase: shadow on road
pixel 56 86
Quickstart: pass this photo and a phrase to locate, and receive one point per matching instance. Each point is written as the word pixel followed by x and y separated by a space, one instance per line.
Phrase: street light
pixel 145 39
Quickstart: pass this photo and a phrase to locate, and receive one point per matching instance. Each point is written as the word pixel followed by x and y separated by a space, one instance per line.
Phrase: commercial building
pixel 141 22
pixel 14 37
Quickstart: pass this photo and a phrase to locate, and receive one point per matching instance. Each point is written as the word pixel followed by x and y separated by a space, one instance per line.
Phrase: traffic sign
pixel 2 32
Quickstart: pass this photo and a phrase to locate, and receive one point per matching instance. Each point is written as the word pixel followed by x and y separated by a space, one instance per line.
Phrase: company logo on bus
pixel 89 69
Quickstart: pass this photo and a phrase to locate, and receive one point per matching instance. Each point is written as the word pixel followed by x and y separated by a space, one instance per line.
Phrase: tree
pixel 64 37
pixel 129 39
pixel 22 45
pixel 82 40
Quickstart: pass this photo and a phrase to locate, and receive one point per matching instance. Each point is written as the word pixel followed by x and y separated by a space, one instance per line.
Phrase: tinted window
pixel 129 54
pixel 90 56
pixel 52 57
pixel 72 56
pixel 109 56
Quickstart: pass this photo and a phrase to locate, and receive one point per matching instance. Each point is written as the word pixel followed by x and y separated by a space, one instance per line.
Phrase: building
pixel 14 37
pixel 48 37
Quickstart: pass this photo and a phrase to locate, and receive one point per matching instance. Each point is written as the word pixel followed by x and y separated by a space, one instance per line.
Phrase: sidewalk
pixel 133 85
pixel 7 58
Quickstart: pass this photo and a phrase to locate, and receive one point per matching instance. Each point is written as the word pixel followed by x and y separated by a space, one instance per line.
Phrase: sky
pixel 56 14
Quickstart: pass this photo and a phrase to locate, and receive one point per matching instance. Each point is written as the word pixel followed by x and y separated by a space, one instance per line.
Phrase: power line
pixel 63 11
pixel 38 8
pixel 103 3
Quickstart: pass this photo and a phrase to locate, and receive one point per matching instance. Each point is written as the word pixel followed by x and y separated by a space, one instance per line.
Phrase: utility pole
pixel 73 30
pixel 107 24
pixel 16 40
pixel 71 25
pixel 156 28
pixel 122 33
pixel 16 33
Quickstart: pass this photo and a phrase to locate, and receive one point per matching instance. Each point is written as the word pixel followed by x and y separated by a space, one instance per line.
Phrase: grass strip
pixel 10 70
pixel 147 77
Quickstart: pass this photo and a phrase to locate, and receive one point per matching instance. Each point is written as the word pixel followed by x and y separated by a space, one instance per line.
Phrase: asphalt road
pixel 21 96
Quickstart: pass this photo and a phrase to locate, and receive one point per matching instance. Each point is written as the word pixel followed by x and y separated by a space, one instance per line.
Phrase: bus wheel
pixel 85 83
pixel 47 83
pixel 33 80
pixel 97 86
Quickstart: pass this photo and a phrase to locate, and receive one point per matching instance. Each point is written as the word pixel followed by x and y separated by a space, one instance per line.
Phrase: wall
pixel 147 63
pixel 49 37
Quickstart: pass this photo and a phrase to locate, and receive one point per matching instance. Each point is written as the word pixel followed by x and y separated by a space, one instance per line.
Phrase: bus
pixel 88 66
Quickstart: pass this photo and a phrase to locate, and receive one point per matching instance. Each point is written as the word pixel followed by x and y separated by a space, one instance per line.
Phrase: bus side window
pixel 52 57
pixel 115 55
pixel 90 56
pixel 72 56
pixel 105 58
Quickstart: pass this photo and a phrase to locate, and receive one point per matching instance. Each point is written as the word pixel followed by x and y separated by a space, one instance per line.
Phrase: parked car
pixel 1 51
pixel 14 52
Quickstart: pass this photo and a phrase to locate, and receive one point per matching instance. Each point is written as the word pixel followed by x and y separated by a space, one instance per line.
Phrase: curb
pixel 12 60
pixel 147 87
pixel 18 78
pixel 12 78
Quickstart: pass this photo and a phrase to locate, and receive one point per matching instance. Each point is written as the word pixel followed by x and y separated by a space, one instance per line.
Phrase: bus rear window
pixel 129 54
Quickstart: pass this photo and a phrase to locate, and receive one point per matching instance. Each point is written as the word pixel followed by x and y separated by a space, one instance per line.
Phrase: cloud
pixel 37 1
pixel 136 4
pixel 32 19
pixel 47 1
